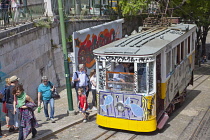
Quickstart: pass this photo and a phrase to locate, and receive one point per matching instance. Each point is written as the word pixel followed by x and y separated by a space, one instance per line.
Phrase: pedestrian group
pixel 19 107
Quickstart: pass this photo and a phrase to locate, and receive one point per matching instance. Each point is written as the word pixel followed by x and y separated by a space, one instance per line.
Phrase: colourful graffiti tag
pixel 85 53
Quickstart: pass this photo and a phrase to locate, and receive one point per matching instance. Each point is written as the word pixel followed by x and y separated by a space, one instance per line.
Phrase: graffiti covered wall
pixel 2 78
pixel 85 41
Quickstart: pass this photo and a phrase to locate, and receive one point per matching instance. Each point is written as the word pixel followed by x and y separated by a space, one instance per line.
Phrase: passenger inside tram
pixel 121 78
pixel 122 67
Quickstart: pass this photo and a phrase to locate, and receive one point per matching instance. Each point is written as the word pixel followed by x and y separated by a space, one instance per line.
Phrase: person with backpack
pixel 4 108
pixel 80 79
pixel 45 90
pixel 12 110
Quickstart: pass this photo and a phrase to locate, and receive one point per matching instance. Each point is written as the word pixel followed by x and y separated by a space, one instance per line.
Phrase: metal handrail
pixel 10 16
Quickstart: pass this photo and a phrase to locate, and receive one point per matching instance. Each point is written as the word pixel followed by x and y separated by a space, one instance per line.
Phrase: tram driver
pixel 122 67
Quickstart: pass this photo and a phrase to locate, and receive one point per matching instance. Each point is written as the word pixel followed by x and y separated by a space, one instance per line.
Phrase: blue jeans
pixel 52 102
pixel 13 118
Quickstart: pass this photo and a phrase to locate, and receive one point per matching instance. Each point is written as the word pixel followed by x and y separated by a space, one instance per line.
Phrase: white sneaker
pixel 52 120
pixel 84 121
pixel 94 108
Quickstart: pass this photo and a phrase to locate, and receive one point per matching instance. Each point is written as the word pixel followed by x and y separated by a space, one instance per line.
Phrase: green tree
pixel 196 11
pixel 132 7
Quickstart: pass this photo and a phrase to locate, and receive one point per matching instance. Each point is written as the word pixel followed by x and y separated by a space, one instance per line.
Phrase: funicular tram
pixel 160 64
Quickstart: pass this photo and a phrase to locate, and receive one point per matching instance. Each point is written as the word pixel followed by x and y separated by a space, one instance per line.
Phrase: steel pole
pixel 66 67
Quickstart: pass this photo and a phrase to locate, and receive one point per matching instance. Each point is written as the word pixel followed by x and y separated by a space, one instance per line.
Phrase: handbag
pixel 54 94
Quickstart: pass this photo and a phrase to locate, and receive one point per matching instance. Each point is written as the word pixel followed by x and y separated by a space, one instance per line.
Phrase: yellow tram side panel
pixel 125 124
pixel 163 90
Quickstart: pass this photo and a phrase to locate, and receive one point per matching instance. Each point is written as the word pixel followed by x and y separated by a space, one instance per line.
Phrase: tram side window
pixel 185 46
pixel 174 58
pixel 188 43
pixel 151 76
pixel 178 54
pixel 193 41
pixel 182 51
pixel 141 76
pixel 168 63
pixel 101 75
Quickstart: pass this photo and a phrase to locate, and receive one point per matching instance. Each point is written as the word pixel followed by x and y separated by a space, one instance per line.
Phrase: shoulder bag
pixel 54 94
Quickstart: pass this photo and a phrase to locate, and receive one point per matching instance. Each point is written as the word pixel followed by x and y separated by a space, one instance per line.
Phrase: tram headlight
pixel 120 107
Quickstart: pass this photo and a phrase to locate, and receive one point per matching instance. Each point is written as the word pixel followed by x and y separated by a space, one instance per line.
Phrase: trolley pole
pixel 66 67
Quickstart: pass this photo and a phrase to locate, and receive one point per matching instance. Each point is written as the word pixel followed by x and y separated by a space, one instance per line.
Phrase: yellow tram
pixel 160 64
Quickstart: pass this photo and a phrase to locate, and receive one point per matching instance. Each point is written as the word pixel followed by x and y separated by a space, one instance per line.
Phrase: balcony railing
pixel 10 17
pixel 14 16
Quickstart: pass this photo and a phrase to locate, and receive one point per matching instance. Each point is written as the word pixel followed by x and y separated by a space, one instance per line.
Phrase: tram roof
pixel 146 42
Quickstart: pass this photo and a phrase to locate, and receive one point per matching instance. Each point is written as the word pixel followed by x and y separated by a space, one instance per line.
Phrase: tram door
pixel 159 101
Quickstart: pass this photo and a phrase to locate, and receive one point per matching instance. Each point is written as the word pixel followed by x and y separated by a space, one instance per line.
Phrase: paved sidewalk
pixel 62 117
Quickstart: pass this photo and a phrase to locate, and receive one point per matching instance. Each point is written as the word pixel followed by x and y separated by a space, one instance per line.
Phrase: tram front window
pixel 145 77
pixel 120 79
pixel 142 77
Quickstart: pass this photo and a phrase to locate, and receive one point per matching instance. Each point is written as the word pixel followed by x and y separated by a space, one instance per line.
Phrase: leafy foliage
pixel 43 23
pixel 132 7
pixel 197 11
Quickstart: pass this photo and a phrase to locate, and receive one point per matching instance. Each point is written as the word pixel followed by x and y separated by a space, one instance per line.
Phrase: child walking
pixel 82 104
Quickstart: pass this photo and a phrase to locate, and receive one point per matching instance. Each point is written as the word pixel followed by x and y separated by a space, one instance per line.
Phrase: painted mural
pixel 178 80
pixel 126 106
pixel 85 41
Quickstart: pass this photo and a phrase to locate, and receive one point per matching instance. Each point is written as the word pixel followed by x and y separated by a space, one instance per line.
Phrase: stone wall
pixel 32 2
pixel 30 55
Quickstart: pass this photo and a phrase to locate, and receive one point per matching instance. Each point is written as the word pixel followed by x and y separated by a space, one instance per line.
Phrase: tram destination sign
pixel 125 59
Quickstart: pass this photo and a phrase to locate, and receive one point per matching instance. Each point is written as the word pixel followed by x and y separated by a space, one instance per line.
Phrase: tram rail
pixel 202 127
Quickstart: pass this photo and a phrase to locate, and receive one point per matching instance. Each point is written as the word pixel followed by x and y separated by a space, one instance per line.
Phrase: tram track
pixel 194 87
pixel 100 135
pixel 203 124
pixel 107 135
pixel 203 120
pixel 202 127
pixel 199 76
pixel 133 137
pixel 111 135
